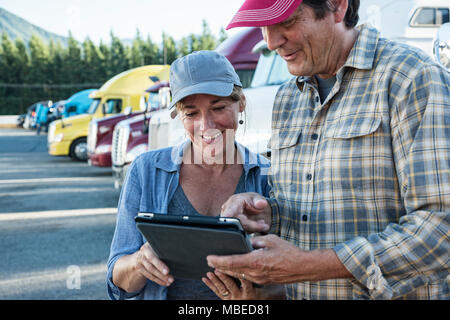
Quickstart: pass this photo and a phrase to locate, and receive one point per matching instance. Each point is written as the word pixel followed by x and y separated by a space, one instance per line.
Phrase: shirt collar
pixel 361 56
pixel 170 160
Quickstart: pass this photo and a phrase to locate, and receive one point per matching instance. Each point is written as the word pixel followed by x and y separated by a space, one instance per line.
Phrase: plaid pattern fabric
pixel 367 173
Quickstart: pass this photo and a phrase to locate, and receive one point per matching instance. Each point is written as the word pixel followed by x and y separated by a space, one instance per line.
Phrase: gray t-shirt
pixel 325 86
pixel 185 289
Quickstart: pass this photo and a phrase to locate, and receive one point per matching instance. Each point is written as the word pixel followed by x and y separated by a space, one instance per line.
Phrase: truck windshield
pixel 153 100
pixel 271 70
pixel 93 106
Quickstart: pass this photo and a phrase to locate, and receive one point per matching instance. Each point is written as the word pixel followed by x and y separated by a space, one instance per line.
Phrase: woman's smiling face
pixel 210 122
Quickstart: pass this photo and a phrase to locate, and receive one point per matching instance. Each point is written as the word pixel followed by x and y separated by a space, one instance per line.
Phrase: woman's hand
pixel 151 267
pixel 226 288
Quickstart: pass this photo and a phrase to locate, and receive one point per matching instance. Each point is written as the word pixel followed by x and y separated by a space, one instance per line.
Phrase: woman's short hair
pixel 322 7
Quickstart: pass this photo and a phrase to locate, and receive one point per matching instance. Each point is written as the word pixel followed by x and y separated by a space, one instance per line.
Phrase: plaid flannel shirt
pixel 367 173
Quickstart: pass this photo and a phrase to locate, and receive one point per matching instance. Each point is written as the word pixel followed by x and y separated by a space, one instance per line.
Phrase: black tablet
pixel 184 242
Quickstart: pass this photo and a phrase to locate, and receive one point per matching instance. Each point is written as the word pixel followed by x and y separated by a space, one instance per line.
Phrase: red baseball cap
pixel 259 13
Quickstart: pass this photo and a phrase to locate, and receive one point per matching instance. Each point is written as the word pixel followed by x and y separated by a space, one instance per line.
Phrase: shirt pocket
pixel 355 155
pixel 351 128
pixel 285 149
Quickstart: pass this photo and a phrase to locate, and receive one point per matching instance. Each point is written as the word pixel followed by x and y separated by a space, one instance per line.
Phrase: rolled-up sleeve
pixel 416 250
pixel 126 239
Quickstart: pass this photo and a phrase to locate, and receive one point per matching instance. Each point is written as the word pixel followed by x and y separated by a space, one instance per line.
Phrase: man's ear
pixel 340 10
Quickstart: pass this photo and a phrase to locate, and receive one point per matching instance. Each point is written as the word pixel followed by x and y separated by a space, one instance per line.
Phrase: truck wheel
pixel 78 150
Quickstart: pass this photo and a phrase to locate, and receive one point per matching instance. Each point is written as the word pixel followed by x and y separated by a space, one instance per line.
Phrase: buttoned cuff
pixel 114 292
pixel 275 224
pixel 358 257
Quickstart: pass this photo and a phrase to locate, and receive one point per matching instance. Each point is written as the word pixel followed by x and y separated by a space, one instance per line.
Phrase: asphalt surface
pixel 57 218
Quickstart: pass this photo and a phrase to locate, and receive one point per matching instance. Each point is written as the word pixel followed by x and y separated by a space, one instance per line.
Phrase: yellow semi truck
pixel 124 93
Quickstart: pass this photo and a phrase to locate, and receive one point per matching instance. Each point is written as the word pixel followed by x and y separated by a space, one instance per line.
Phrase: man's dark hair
pixel 321 7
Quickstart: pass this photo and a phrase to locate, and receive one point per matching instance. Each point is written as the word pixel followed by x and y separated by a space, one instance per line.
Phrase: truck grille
pixel 92 136
pixel 119 145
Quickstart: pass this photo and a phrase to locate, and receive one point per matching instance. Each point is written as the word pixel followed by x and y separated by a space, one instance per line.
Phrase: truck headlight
pixel 58 137
pixel 133 153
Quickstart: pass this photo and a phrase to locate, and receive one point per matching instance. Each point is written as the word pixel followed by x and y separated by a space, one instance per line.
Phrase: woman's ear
pixel 242 103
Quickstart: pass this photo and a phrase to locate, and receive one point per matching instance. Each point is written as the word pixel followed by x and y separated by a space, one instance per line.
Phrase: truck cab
pixel 78 103
pixel 99 139
pixel 123 92
pixel 130 137
pixel 414 22
pixel 100 133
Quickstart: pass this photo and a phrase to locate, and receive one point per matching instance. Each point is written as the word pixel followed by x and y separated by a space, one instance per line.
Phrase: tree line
pixel 50 71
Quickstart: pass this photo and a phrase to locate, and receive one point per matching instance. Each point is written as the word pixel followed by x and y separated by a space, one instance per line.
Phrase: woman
pixel 208 98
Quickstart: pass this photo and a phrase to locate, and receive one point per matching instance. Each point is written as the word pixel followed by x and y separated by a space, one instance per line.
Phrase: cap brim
pixel 215 88
pixel 252 14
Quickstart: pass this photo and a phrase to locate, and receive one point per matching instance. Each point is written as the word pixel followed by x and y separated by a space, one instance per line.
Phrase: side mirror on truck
pixel 128 110
pixel 441 46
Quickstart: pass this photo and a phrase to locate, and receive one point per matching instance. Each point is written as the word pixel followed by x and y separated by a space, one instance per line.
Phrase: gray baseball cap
pixel 201 72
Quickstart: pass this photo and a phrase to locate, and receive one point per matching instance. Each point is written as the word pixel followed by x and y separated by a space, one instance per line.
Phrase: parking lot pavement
pixel 57 219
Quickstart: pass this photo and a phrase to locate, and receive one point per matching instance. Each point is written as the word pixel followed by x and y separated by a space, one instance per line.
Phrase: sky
pixel 96 18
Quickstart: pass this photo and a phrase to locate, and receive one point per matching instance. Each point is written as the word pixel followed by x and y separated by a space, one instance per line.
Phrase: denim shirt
pixel 150 185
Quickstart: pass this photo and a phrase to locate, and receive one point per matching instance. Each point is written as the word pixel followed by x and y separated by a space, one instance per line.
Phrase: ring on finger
pixel 225 294
pixel 243 276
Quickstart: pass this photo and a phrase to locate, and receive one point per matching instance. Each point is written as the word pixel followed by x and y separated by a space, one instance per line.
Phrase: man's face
pixel 303 41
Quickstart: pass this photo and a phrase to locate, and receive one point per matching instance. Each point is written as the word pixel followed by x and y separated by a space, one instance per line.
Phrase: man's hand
pixel 251 209
pixel 276 261
pixel 273 261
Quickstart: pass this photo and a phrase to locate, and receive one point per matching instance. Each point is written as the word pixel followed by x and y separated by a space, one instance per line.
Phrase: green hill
pixel 17 27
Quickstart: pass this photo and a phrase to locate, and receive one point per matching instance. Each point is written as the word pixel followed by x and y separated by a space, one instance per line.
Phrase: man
pixel 360 197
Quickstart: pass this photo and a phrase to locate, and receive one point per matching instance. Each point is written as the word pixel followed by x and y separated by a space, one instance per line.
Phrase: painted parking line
pixel 56 214
pixel 53 180
pixel 52 276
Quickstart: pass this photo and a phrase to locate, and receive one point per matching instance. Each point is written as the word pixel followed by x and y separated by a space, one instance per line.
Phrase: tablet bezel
pixel 219 231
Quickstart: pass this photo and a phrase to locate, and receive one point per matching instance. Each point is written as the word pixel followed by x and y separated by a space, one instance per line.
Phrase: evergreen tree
pixel 169 50
pixel 184 47
pixel 23 61
pixel 136 53
pixel 149 51
pixel 56 66
pixel 207 40
pixel 39 60
pixel 106 53
pixel 195 43
pixel 72 61
pixel 93 63
pixel 8 58
pixel 118 61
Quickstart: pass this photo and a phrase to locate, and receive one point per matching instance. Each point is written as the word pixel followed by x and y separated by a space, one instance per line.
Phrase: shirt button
pixel 305 217
pixel 309 176
pixel 314 136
